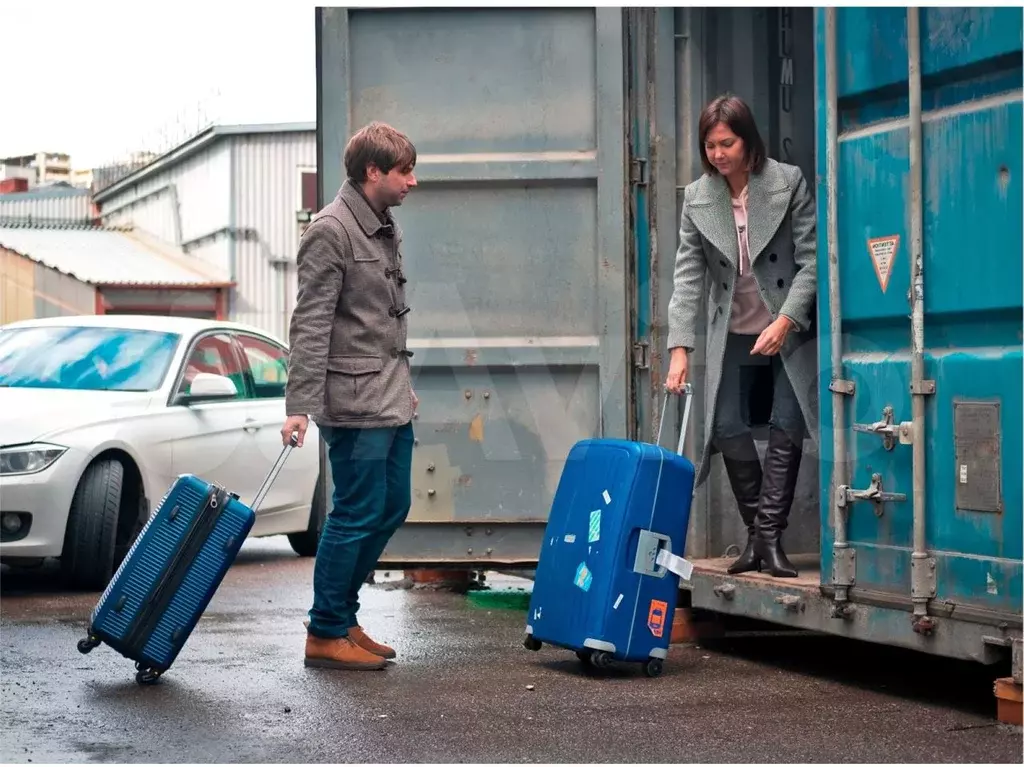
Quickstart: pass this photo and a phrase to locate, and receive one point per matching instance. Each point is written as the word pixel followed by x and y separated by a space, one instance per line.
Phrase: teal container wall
pixel 972 241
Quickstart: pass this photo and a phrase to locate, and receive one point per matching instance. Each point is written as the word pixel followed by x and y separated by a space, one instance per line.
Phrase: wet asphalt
pixel 460 690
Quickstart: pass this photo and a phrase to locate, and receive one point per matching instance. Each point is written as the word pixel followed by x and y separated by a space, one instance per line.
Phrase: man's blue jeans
pixel 372 472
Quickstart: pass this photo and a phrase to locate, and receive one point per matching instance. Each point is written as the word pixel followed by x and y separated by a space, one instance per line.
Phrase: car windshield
pixel 85 358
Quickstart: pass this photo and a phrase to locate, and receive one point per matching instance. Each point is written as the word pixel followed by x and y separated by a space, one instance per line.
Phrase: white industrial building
pixel 235 197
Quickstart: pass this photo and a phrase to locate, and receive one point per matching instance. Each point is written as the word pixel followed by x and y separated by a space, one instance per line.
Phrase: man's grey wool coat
pixel 348 365
pixel 783 245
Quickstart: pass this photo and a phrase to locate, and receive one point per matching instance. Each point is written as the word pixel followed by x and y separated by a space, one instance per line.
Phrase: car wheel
pixel 129 524
pixel 305 543
pixel 88 556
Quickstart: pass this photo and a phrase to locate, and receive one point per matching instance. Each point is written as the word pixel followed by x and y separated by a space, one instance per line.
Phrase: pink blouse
pixel 749 314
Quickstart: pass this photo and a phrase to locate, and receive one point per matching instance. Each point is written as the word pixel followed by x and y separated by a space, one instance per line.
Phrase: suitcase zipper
pixel 203 525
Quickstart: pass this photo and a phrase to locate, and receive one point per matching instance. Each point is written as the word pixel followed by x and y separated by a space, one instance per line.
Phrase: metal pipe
pixel 835 312
pixel 917 298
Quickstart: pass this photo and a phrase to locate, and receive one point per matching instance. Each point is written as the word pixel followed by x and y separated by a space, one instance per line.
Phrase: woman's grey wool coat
pixel 783 245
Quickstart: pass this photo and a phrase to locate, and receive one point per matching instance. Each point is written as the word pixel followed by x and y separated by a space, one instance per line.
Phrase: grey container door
pixel 514 247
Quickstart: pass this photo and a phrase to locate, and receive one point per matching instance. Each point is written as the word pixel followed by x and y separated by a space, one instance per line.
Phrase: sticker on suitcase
pixel 583 577
pixel 595 527
pixel 656 617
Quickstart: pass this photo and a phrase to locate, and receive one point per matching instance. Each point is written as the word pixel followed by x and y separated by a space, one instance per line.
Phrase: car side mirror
pixel 208 386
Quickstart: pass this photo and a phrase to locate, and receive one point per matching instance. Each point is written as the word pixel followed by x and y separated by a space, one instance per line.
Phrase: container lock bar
pixel 847 496
pixel 888 430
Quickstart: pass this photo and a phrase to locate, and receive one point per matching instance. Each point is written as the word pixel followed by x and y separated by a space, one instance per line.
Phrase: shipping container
pixel 554 145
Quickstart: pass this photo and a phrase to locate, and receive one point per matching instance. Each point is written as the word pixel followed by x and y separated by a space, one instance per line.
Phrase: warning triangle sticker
pixel 883 253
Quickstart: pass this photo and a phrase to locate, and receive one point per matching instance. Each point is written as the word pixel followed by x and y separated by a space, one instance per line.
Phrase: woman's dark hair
pixel 734 112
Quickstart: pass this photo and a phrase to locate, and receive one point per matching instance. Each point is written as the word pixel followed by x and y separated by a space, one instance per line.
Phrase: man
pixel 349 370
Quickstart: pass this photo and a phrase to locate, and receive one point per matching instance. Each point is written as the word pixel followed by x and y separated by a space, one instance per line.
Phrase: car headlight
pixel 28 459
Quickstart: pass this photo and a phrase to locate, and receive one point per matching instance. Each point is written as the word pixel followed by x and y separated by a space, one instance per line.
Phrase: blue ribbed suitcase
pixel 606 584
pixel 171 572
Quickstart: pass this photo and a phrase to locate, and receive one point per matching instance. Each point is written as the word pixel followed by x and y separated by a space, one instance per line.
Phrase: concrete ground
pixel 460 690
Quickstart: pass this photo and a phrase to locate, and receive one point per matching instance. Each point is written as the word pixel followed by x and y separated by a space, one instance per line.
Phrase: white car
pixel 100 414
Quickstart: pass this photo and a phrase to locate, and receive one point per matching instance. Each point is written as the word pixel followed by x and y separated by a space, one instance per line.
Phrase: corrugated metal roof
pixel 57 203
pixel 106 256
pixel 45 193
pixel 194 144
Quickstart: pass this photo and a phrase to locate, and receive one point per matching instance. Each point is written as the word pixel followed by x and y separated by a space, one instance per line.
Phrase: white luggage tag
pixel 654 550
pixel 674 564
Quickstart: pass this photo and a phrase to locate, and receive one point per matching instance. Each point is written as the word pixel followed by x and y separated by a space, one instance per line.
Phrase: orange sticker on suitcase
pixel 656 617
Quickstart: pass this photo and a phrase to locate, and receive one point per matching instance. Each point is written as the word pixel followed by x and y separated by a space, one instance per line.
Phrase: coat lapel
pixel 711 212
pixel 360 208
pixel 767 205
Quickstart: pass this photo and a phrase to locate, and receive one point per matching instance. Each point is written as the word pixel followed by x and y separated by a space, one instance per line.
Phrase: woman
pixel 749 224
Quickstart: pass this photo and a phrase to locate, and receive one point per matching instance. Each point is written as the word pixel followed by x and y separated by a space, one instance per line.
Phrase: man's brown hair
pixel 380 145
pixel 734 112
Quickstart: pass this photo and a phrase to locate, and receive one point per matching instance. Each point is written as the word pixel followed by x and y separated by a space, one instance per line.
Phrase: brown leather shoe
pixel 340 653
pixel 360 638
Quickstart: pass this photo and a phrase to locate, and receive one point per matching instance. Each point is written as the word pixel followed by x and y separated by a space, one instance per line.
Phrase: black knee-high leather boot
pixel 781 467
pixel 743 467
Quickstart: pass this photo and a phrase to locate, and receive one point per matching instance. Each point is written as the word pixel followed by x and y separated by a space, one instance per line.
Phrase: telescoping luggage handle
pixel 654 555
pixel 274 471
pixel 688 394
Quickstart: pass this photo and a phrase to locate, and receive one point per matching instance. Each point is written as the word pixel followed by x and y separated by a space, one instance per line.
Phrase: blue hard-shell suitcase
pixel 606 582
pixel 172 571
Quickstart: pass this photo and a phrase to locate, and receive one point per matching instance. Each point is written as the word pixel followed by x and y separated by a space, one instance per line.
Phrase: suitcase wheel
pixel 147 676
pixel 532 643
pixel 600 659
pixel 583 655
pixel 86 645
pixel 653 667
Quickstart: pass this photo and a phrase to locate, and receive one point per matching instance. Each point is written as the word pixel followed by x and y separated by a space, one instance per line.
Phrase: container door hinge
pixel 922 578
pixel 845 496
pixel 841 386
pixel 924 387
pixel 642 355
pixel 638 171
pixel 844 566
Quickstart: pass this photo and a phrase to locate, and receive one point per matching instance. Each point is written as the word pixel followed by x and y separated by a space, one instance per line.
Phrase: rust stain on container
pixel 471 355
pixel 465 480
pixel 476 428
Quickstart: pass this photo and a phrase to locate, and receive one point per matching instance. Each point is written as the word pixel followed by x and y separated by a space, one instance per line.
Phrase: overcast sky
pixel 99 79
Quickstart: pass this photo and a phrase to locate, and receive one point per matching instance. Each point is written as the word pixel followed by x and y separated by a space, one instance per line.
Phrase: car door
pixel 266 367
pixel 209 438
